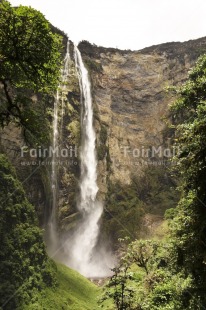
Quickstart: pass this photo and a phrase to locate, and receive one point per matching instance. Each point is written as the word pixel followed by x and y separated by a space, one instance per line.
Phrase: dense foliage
pixel 29 62
pixel 24 265
pixel 189 226
pixel 171 274
pixel 125 205
pixel 123 210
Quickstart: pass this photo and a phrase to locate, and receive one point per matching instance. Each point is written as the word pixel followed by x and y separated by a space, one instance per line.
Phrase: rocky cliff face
pixel 129 91
pixel 130 106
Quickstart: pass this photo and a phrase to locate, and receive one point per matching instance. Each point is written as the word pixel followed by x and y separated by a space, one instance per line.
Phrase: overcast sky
pixel 126 24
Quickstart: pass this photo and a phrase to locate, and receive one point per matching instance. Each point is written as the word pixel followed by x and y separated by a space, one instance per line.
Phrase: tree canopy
pixel 24 264
pixel 30 62
pixel 30 58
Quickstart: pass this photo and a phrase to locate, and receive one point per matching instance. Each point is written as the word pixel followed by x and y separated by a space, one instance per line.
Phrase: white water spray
pixel 59 100
pixel 83 255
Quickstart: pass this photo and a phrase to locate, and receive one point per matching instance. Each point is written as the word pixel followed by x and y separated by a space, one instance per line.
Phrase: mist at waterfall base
pixel 81 249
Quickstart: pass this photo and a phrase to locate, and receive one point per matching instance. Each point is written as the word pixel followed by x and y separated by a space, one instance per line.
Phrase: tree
pixel 30 59
pixel 189 226
pixel 24 264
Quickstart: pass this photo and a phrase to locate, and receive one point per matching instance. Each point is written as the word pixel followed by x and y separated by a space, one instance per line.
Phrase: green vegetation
pixel 153 192
pixel 166 272
pixel 123 211
pixel 102 148
pixel 30 58
pixel 189 226
pixel 147 278
pixel 24 266
pixel 29 279
pixel 157 189
pixel 72 292
pixel 170 274
pixel 35 120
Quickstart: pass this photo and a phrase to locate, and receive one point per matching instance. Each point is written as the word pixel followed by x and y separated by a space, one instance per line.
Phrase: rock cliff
pixel 131 103
pixel 130 97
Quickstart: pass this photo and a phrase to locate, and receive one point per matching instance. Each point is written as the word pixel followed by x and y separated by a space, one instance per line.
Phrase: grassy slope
pixel 73 292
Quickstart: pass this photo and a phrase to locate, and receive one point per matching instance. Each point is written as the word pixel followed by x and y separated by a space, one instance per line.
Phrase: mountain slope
pixel 73 292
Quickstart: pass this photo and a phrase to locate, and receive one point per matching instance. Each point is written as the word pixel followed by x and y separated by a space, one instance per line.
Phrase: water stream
pixel 80 250
pixel 83 253
pixel 58 109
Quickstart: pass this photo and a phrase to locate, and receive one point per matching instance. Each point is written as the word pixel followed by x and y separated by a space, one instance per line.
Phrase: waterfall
pixel 80 249
pixel 88 182
pixel 64 79
pixel 52 221
pixel 59 100
pixel 83 255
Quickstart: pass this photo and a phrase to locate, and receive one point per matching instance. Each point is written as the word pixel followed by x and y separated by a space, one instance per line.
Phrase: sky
pixel 125 24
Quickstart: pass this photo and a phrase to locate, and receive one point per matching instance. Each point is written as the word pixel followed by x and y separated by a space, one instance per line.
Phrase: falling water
pixel 82 248
pixel 59 100
pixel 64 79
pixel 52 221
